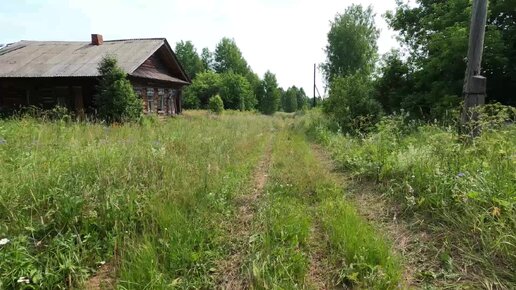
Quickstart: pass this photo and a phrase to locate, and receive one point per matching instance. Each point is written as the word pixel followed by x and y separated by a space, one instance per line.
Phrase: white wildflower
pixel 4 242
pixel 23 280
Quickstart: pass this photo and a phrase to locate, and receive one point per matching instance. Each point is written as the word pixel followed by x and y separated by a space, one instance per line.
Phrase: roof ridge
pixel 85 41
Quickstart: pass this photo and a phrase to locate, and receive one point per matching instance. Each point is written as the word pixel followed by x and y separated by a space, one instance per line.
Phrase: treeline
pixel 226 73
pixel 425 77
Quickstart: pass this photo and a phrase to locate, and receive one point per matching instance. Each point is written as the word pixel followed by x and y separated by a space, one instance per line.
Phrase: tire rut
pixel 230 269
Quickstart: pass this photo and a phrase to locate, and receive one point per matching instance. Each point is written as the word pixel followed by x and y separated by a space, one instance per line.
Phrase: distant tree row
pixel 226 73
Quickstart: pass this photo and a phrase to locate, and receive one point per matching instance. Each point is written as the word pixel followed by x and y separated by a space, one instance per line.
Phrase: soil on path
pixel 230 270
pixel 104 278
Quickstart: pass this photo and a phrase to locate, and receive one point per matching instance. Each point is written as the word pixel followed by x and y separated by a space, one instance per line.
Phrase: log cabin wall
pixel 162 98
pixel 76 94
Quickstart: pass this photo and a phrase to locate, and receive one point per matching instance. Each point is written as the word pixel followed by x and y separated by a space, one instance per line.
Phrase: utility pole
pixel 474 90
pixel 314 86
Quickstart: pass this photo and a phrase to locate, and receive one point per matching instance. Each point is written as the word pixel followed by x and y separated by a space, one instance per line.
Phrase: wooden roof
pixel 40 59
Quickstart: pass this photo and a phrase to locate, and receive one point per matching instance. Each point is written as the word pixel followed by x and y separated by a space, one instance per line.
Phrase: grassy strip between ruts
pixel 153 194
pixel 300 194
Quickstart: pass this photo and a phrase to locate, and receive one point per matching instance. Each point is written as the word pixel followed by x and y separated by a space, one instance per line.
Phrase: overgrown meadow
pixel 461 192
pixel 154 203
pixel 147 198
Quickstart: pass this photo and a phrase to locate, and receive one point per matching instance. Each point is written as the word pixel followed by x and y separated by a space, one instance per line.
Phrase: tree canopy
pixel 269 98
pixel 236 92
pixel 228 57
pixel 226 73
pixel 435 34
pixel 204 86
pixel 189 58
pixel 351 44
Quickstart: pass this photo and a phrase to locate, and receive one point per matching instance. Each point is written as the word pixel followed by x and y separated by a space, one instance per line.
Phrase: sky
pixel 284 36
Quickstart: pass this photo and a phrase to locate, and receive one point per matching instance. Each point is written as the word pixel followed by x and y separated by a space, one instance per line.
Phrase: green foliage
pixel 116 100
pixel 351 44
pixel 302 98
pixel 393 84
pixel 228 57
pixel 189 58
pixel 436 35
pixel 207 59
pixel 289 100
pixel 255 82
pixel 206 85
pixel 226 72
pixel 236 92
pixel 351 105
pixel 269 96
pixel 216 104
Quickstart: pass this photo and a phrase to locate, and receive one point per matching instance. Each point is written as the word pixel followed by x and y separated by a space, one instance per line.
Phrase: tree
pixel 236 92
pixel 207 59
pixel 393 83
pixel 351 44
pixel 351 104
pixel 216 105
pixel 290 100
pixel 116 100
pixel 203 87
pixel 435 33
pixel 228 57
pixel 302 99
pixel 189 58
pixel 255 82
pixel 269 94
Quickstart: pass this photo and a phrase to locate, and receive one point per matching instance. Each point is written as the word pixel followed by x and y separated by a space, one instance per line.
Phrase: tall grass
pixel 149 198
pixel 301 194
pixel 466 192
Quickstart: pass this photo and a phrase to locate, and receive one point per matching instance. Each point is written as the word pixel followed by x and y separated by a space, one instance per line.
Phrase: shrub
pixel 236 92
pixel 216 104
pixel 351 104
pixel 116 100
pixel 203 87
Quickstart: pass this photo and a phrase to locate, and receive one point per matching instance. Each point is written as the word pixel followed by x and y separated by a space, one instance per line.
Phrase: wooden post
pixel 474 85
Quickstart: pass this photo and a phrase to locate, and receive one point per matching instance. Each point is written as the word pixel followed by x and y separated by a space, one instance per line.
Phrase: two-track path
pixel 229 270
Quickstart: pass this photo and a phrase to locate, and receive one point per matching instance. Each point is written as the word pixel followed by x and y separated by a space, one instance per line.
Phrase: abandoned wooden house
pixel 50 73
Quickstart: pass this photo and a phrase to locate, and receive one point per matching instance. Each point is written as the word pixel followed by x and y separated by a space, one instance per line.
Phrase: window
pixel 139 92
pixel 161 94
pixel 150 99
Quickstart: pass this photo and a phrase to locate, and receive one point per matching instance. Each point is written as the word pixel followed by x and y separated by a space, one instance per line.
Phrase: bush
pixel 116 100
pixel 203 87
pixel 216 104
pixel 351 104
pixel 236 92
